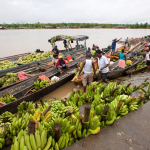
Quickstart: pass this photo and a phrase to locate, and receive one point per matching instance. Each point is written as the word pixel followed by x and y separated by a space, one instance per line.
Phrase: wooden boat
pixel 21 90
pixel 135 71
pixel 117 73
pixel 65 53
pixel 14 57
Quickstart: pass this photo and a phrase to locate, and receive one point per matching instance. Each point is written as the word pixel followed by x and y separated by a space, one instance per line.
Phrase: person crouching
pixel 62 64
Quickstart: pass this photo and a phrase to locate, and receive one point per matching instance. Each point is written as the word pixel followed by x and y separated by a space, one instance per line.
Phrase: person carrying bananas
pixel 122 60
pixel 87 76
pixel 62 64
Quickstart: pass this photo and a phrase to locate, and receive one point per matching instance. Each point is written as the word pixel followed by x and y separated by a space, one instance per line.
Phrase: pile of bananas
pixel 141 65
pixel 39 84
pixel 128 64
pixel 34 57
pixel 7 64
pixel 29 105
pixel 6 116
pixel 7 99
pixel 10 78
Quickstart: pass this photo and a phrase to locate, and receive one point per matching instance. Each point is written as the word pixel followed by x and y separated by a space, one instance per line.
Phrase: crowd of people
pixel 102 62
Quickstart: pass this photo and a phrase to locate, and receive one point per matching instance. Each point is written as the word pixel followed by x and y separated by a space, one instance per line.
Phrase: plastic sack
pixel 43 77
pixel 55 78
pixel 22 76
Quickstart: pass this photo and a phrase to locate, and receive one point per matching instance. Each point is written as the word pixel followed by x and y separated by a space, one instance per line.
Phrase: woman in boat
pixel 62 64
pixel 147 60
pixel 122 60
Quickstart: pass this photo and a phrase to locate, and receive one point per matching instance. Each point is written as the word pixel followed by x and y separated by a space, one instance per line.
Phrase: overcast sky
pixel 78 11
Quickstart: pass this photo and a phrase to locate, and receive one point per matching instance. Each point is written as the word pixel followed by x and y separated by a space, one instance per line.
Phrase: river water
pixel 28 40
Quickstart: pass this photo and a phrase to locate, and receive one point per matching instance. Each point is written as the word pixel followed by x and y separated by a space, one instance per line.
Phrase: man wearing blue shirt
pixel 88 50
pixel 114 45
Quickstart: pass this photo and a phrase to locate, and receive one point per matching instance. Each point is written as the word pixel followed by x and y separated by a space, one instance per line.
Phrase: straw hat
pixel 60 57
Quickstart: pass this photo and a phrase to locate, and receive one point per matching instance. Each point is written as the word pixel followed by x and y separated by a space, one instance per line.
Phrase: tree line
pixel 81 25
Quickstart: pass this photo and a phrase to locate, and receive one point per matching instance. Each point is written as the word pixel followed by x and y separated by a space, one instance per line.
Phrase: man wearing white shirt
pixel 102 66
pixel 147 60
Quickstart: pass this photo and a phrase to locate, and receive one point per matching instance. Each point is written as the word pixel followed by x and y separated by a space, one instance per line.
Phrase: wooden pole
pixel 70 44
pixel 104 113
pixel 118 107
pixel 31 127
pixel 57 131
pixel 85 43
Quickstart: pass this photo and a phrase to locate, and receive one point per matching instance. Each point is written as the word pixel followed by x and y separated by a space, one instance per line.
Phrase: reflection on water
pixel 28 40
pixel 63 91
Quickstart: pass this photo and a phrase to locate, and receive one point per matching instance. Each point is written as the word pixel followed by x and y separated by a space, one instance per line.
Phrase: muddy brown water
pixel 63 91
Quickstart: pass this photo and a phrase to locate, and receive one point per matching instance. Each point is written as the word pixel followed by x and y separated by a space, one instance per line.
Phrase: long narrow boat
pixel 20 90
pixel 72 51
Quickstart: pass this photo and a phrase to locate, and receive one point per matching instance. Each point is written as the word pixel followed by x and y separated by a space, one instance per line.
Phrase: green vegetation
pixel 74 25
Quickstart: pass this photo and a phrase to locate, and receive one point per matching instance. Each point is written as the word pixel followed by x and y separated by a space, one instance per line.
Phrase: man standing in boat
pixel 87 76
pixel 126 42
pixel 55 55
pixel 113 47
pixel 102 66
pixel 62 64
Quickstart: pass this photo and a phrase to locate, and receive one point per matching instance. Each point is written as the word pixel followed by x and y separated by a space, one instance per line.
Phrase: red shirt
pixel 57 64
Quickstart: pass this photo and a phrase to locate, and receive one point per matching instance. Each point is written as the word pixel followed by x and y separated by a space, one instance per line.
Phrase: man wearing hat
pixel 102 66
pixel 55 55
pixel 126 42
pixel 62 64
pixel 114 45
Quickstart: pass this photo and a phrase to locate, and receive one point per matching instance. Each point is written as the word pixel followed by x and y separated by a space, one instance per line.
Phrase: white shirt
pixel 88 66
pixel 147 57
pixel 103 62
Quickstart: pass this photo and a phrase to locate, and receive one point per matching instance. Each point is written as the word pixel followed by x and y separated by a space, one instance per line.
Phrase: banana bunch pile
pixel 10 78
pixel 58 109
pixel 7 64
pixel 34 57
pixel 2 136
pixel 146 92
pixel 29 105
pixel 39 84
pixel 39 141
pixel 19 123
pixel 7 99
pixel 141 65
pixel 6 117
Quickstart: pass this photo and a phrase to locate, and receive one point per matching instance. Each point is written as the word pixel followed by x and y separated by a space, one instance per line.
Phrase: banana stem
pixel 64 102
pixel 106 96
pixel 31 127
pixel 94 88
pixel 130 100
pixel 29 111
pixel 41 101
pixel 104 113
pixel 20 114
pixel 45 111
pixel 57 131
pixel 118 107
pixel 36 105
pixel 25 106
pixel 113 91
pixel 86 113
pixel 141 98
pixel 69 112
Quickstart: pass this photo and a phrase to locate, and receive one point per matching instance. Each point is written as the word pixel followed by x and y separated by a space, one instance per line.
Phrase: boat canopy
pixel 81 37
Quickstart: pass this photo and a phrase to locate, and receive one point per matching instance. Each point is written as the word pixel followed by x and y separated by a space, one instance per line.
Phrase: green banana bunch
pixel 7 98
pixel 129 90
pixel 22 109
pixel 6 117
pixel 111 116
